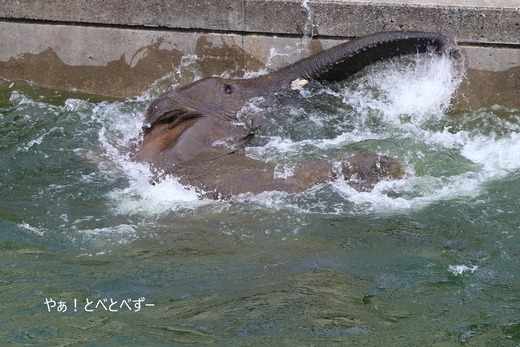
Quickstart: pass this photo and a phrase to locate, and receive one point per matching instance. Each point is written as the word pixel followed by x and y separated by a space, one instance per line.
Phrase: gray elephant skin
pixel 194 134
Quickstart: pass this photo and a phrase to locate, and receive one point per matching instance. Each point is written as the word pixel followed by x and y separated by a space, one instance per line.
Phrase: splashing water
pixel 395 108
pixel 308 29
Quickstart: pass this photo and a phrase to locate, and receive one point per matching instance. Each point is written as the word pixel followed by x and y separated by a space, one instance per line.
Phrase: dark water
pixel 86 242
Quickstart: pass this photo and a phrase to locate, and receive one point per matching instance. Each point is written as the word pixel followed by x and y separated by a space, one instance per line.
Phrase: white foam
pixel 32 229
pixel 458 270
pixel 413 193
pixel 283 171
pixel 141 196
pixel 498 156
pixel 124 233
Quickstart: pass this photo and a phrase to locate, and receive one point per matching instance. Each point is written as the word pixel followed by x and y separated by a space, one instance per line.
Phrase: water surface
pixel 431 259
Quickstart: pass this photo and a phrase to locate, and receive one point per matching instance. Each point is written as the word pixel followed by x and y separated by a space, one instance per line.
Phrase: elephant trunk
pixel 341 61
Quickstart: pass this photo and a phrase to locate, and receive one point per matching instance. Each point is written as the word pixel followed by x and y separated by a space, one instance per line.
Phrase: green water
pixel 431 260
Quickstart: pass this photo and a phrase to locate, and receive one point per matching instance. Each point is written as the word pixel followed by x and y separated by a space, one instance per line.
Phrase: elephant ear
pixel 339 62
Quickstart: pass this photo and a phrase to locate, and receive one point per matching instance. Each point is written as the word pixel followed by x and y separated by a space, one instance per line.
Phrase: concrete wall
pixel 476 21
pixel 119 48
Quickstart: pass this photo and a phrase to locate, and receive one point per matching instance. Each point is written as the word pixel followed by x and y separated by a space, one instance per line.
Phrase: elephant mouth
pixel 172 117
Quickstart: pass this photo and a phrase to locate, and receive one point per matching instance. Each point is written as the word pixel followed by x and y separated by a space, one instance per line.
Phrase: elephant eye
pixel 228 89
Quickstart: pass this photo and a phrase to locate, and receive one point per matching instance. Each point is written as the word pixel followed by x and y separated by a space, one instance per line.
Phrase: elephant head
pixel 198 123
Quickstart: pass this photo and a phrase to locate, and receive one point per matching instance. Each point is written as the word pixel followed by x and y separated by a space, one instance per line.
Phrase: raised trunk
pixel 341 61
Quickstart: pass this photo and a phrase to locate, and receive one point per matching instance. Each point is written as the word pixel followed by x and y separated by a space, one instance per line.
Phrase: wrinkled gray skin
pixel 193 132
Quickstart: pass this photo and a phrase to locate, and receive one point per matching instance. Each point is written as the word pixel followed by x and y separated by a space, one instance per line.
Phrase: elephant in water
pixel 196 131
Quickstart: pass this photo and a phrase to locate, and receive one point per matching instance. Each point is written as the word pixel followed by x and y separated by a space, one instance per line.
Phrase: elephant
pixel 196 132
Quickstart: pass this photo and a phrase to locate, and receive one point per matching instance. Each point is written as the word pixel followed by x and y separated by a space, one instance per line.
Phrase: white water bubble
pixel 458 270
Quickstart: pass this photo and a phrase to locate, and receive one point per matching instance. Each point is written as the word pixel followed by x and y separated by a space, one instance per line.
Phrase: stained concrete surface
pixel 469 21
pixel 116 48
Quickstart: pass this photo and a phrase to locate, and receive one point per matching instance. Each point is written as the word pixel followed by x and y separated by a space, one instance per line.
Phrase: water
pixel 431 259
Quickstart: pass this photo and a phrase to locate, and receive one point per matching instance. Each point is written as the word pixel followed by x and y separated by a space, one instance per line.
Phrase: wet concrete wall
pixel 119 48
